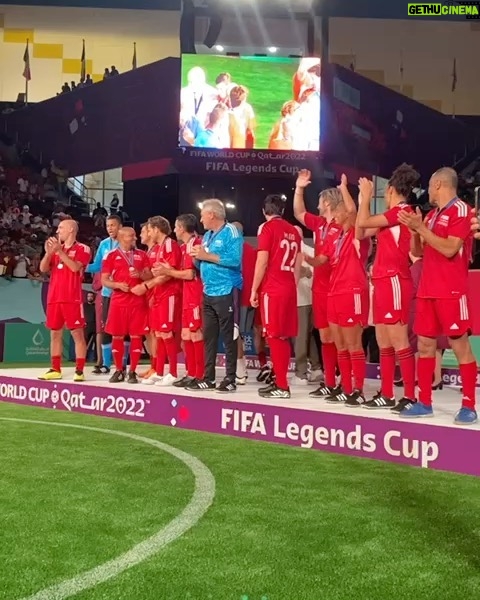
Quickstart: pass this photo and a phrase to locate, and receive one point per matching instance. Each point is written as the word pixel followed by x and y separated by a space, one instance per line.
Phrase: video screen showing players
pixel 250 102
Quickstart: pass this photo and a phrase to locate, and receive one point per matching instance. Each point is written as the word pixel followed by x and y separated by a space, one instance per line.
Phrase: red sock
pixel 57 363
pixel 406 359
pixel 359 368
pixel 118 349
pixel 262 359
pixel 469 380
pixel 199 348
pixel 136 347
pixel 189 350
pixel 426 370
pixel 280 355
pixel 172 350
pixel 345 368
pixel 80 364
pixel 161 357
pixel 329 355
pixel 387 371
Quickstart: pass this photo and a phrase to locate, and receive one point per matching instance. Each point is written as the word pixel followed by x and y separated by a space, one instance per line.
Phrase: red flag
pixel 27 73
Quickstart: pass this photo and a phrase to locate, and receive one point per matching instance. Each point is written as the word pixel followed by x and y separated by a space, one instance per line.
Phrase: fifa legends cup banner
pixel 427 446
pixel 246 162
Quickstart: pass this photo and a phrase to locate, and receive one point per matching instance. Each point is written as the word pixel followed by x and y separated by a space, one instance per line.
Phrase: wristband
pixel 146 287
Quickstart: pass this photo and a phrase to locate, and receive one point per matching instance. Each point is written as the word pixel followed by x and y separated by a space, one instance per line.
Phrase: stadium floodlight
pixel 272 49
pixel 219 48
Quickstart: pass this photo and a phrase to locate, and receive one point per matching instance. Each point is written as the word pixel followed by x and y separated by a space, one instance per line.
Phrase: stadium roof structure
pixel 381 9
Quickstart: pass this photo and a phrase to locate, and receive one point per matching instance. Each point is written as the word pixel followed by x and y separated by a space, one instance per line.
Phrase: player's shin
pixel 280 354
pixel 136 348
pixel 118 349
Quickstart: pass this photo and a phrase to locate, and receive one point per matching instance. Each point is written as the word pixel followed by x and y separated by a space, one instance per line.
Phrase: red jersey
pixel 393 247
pixel 321 231
pixel 192 289
pixel 120 265
pixel 348 258
pixel 282 242
pixel 65 285
pixel 444 277
pixel 166 252
pixel 249 259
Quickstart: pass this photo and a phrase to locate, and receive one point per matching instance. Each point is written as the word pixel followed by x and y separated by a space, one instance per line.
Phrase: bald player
pixel 123 269
pixel 444 239
pixel 65 259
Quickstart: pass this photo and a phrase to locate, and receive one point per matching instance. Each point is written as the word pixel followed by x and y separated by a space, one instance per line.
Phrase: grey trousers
pixel 305 346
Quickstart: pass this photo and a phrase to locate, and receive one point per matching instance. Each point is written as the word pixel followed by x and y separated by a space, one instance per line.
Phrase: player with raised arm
pixel 348 299
pixel 192 299
pixel 122 269
pixel 165 310
pixel 65 259
pixel 392 284
pixel 274 289
pixel 445 239
pixel 322 226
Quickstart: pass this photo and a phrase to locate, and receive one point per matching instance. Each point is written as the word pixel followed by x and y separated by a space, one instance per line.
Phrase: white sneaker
pixel 315 376
pixel 152 379
pixel 299 381
pixel 241 380
pixel 169 379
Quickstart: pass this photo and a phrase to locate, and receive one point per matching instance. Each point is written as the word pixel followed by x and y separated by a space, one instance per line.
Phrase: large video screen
pixel 250 102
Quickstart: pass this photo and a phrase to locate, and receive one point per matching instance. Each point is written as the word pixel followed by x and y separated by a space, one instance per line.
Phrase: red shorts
pixel 445 316
pixel 164 315
pixel 127 320
pixel 392 297
pixel 320 316
pixel 192 318
pixel 279 315
pixel 348 310
pixel 65 314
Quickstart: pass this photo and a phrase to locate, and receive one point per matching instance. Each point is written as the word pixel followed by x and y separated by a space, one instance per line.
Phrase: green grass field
pixel 269 81
pixel 285 524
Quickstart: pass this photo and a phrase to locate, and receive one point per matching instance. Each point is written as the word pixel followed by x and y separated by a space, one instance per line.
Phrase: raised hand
pixel 366 189
pixel 303 178
pixel 411 220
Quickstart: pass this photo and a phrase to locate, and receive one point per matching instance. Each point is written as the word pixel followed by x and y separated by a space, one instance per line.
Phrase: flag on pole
pixel 27 73
pixel 134 60
pixel 454 75
pixel 83 68
pixel 401 69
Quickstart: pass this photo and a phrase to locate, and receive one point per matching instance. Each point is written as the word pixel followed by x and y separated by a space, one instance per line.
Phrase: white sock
pixel 241 368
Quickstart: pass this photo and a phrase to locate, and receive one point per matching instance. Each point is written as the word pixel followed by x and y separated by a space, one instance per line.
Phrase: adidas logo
pixel 454 327
pixel 389 316
pixel 350 321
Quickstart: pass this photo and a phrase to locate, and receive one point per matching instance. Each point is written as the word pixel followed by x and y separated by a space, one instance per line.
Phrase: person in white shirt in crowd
pixel 22 185
pixel 21 268
pixel 305 347
pixel 26 214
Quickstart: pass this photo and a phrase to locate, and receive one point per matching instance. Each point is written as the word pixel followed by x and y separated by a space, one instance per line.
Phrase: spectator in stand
pixel 66 88
pixel 114 204
pixel 106 74
pixel 21 267
pixel 114 71
pixel 88 80
pixel 26 215
pixel 99 215
pixel 73 86
pixel 22 185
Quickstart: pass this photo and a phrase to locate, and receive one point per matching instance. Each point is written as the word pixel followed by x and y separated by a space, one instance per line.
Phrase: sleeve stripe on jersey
pixel 260 228
pixel 234 231
pixel 462 208
pixel 168 244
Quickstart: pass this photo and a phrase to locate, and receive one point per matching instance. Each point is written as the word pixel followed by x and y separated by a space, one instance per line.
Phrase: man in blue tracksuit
pixel 220 260
pixel 107 245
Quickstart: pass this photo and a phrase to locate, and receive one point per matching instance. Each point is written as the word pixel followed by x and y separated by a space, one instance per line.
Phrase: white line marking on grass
pixel 201 501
